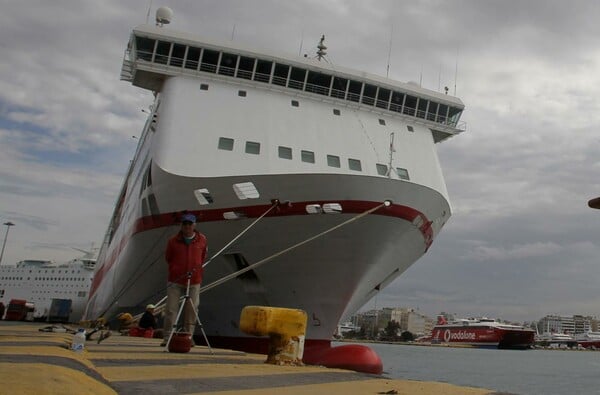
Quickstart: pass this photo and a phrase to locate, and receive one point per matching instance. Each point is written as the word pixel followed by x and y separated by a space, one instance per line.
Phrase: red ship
pixel 482 332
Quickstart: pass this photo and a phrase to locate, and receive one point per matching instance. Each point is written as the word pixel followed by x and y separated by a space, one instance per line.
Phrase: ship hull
pixel 328 277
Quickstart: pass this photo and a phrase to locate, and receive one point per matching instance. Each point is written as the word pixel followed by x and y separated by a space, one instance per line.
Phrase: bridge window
pixel 454 115
pixel 297 78
pixel 162 52
pixel 145 48
pixel 354 89
pixel 193 58
pixel 432 111
pixel 245 68
pixel 338 89
pixel 228 64
pixel 210 59
pixel 263 71
pixel 368 96
pixel 383 97
pixel 410 105
pixel 422 108
pixel 281 74
pixel 177 55
pixel 396 103
pixel 318 83
pixel 442 113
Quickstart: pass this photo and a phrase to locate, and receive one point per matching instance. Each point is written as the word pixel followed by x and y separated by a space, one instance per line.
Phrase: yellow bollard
pixel 286 329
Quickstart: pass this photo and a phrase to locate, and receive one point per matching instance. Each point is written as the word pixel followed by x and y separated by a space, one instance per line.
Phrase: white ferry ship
pixel 318 185
pixel 40 282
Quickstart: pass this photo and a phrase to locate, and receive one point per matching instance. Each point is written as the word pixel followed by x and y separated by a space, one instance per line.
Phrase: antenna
pixel 387 74
pixel 233 32
pixel 301 42
pixel 148 14
pixel 456 71
pixel 321 48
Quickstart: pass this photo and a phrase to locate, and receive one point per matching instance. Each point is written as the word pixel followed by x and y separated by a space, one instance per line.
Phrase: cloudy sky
pixel 522 242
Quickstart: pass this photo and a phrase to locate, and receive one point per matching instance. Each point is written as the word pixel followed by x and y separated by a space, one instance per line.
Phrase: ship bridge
pixel 155 53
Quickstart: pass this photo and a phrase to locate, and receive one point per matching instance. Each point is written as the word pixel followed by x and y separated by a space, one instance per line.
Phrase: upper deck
pixel 154 53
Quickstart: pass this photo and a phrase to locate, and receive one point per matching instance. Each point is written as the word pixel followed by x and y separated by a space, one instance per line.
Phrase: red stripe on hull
pixel 297 208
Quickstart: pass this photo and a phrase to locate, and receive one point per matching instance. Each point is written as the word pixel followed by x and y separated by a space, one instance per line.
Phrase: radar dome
pixel 164 16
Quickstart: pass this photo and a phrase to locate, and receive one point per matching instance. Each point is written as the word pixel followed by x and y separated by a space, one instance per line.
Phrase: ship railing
pixel 127 73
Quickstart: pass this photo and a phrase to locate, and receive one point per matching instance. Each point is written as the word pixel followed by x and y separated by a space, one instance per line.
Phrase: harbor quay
pixel 34 360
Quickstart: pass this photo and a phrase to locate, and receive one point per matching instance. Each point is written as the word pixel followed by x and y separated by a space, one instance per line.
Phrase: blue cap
pixel 188 218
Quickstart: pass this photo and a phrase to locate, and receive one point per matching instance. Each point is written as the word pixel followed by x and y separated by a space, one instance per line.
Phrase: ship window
pixel 177 55
pixel 225 143
pixel 318 83
pixel 242 93
pixel 281 74
pixel 454 115
pixel 369 94
pixel 336 111
pixel 297 78
pixel 442 113
pixel 145 48
pixel 203 196
pixel 204 87
pixel 285 152
pixel 252 147
pixel 383 97
pixel 246 190
pixel 432 111
pixel 338 89
pixel 382 170
pixel 410 128
pixel 295 103
pixel 354 164
pixel 263 71
pixel 422 108
pixel 333 161
pixel 245 68
pixel 402 173
pixel 396 104
pixel 209 61
pixel 382 121
pixel 162 52
pixel 354 89
pixel 308 156
pixel 410 105
pixel 193 58
pixel 228 63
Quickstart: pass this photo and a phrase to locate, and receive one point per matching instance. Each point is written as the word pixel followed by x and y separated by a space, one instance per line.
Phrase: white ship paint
pixel 39 282
pixel 219 120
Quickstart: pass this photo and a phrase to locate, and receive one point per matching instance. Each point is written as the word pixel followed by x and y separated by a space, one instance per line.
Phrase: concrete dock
pixel 35 362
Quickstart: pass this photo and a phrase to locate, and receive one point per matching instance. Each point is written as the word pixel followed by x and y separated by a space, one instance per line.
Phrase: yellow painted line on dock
pixel 40 378
pixel 33 362
pixel 183 371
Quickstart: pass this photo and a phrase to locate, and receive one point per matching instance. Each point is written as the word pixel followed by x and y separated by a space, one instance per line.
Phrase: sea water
pixel 523 372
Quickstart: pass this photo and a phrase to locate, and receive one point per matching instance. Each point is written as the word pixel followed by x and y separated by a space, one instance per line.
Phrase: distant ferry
pixel 39 282
pixel 589 340
pixel 482 332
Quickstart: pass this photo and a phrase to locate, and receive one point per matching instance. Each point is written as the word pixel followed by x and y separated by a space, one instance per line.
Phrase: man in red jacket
pixel 185 255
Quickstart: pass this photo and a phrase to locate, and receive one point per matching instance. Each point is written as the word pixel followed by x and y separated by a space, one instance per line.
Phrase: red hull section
pixel 483 336
pixel 316 352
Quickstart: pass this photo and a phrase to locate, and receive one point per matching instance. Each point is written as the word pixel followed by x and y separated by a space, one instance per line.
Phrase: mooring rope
pixel 265 260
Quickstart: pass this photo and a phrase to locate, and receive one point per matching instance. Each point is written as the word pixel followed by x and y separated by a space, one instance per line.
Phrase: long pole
pixel 8 225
